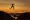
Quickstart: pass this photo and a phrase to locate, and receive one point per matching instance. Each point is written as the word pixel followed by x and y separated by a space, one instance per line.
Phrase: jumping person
pixel 12 6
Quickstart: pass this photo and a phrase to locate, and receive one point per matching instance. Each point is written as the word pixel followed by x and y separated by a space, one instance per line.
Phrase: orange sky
pixel 16 9
pixel 20 6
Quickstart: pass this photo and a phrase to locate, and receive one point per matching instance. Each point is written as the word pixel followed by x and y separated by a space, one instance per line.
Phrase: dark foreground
pixel 6 16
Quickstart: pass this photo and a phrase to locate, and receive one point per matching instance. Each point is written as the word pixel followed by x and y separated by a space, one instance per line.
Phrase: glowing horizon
pixel 19 5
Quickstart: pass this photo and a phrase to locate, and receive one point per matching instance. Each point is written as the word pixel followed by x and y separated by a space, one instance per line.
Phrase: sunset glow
pixel 19 7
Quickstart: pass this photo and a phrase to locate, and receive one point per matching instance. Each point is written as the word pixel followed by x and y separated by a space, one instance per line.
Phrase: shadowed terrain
pixel 22 16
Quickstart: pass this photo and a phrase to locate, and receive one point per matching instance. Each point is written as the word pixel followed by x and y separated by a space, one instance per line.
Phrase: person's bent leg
pixel 13 7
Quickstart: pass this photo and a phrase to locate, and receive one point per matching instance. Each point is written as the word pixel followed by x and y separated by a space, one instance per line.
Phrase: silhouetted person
pixel 12 6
